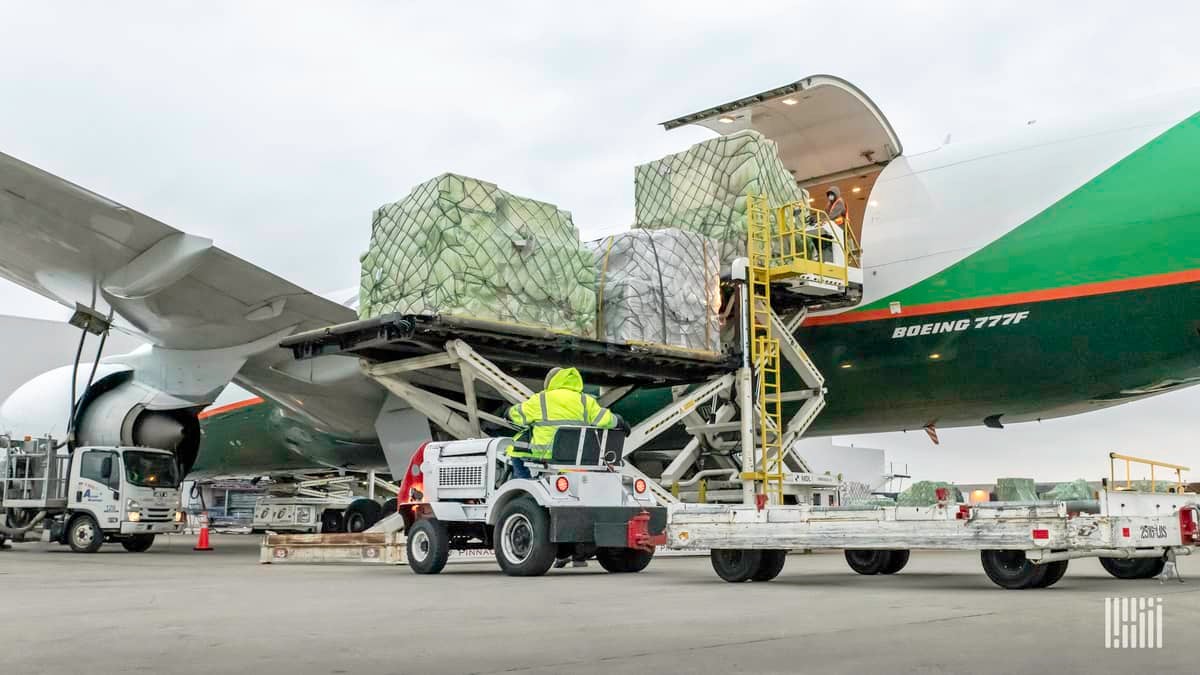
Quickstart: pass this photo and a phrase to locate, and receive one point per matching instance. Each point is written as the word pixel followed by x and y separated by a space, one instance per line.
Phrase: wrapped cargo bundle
pixel 457 245
pixel 1075 490
pixel 1016 490
pixel 924 493
pixel 660 286
pixel 703 189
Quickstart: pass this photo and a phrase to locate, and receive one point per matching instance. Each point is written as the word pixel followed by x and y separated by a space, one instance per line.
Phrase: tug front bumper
pixel 609 526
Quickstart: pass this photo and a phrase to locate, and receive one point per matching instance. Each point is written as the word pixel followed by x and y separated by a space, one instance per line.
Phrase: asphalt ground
pixel 173 610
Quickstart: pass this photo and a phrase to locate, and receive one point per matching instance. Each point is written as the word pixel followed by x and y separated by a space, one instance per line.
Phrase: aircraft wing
pixel 175 290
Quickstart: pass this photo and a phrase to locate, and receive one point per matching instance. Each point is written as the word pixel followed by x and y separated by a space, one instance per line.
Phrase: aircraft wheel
pixel 138 543
pixel 523 546
pixel 389 508
pixel 735 565
pixel 897 559
pixel 428 546
pixel 623 560
pixel 362 514
pixel 1012 570
pixel 84 535
pixel 867 561
pixel 1133 568
pixel 770 564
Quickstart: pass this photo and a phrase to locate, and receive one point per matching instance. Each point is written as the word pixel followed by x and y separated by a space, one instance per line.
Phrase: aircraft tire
pixel 331 520
pixel 362 514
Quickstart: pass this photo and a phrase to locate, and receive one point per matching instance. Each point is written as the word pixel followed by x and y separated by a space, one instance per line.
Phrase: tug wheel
pixel 428 546
pixel 523 546
pixel 735 565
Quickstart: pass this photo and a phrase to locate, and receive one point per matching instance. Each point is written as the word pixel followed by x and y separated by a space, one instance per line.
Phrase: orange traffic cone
pixel 202 540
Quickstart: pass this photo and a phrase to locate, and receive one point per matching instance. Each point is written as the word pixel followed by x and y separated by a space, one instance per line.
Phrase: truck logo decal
pixel 959 325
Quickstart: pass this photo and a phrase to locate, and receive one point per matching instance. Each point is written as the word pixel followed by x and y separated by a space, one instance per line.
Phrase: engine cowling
pixel 115 410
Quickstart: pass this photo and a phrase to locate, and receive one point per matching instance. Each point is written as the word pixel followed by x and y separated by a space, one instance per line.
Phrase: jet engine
pixel 115 410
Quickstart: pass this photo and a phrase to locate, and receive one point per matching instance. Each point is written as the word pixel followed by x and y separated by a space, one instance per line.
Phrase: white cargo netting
pixel 659 286
pixel 703 189
pixel 457 245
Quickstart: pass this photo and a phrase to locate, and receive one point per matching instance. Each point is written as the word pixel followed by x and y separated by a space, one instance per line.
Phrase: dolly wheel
pixel 1133 568
pixel 735 565
pixel 1054 572
pixel 897 559
pixel 623 560
pixel 868 561
pixel 770 564
pixel 1012 570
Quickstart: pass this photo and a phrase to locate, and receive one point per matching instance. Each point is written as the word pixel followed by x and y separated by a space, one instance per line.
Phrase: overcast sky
pixel 276 128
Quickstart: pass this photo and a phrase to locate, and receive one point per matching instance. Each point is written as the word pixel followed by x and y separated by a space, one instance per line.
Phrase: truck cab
pixel 91 495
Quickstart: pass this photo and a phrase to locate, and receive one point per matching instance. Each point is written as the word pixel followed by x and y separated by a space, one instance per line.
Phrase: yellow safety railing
pixel 806 241
pixel 1114 458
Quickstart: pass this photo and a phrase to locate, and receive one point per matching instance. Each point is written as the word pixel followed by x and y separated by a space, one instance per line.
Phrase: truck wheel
pixel 1011 569
pixel 138 543
pixel 897 559
pixel 1133 568
pixel 523 546
pixel 84 534
pixel 770 565
pixel 428 546
pixel 867 561
pixel 331 520
pixel 623 560
pixel 735 565
pixel 1054 572
pixel 362 514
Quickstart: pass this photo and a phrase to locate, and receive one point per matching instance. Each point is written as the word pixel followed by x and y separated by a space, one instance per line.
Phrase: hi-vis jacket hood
pixel 837 192
pixel 567 378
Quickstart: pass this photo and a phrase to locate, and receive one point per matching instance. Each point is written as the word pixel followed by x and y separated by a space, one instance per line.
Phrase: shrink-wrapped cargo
pixel 703 189
pixel 461 246
pixel 659 286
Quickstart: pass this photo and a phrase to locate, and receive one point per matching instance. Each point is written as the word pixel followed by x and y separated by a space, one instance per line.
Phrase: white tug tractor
pixel 457 495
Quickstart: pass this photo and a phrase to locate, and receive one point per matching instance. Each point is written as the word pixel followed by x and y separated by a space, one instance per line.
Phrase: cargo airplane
pixel 1046 273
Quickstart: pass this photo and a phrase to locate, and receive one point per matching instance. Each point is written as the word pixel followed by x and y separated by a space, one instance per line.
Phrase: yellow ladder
pixel 764 351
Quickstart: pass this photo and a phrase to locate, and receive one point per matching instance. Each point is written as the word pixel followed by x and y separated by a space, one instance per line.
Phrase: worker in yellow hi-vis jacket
pixel 561 403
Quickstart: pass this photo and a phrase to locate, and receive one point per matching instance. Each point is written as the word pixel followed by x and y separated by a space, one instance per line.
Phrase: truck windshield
pixel 151 469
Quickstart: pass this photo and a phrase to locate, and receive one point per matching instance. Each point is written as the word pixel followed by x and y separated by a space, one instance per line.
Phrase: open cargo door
pixel 828 132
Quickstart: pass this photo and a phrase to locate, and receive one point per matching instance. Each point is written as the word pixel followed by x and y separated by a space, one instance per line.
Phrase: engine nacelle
pixel 115 410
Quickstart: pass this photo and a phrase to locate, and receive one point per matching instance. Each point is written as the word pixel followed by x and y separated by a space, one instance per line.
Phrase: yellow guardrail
pixel 806 241
pixel 1129 460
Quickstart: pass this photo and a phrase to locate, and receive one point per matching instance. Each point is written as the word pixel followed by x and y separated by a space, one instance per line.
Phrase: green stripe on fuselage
pixel 1139 217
